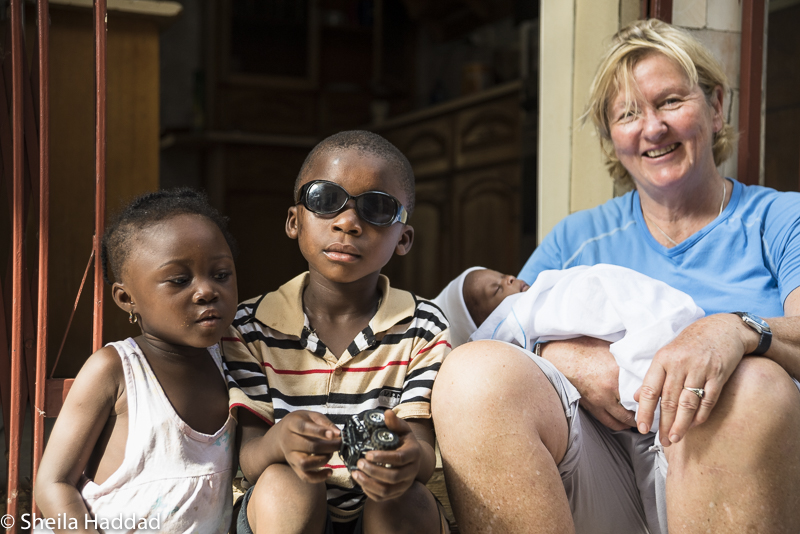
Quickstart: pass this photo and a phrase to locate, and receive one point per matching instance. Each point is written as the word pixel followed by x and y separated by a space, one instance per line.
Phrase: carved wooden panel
pixel 424 270
pixel 487 219
pixel 488 134
pixel 427 145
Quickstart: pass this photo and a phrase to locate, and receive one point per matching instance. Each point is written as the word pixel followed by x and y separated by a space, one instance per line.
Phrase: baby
pixel 472 297
pixel 634 312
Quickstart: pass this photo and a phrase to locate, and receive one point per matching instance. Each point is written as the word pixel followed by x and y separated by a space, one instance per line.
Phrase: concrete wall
pixel 574 35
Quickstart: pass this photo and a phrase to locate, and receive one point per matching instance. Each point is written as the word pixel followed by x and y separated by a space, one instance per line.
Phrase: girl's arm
pixel 91 401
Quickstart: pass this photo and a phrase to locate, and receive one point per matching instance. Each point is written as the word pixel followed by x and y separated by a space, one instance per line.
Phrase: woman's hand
pixel 703 356
pixel 591 368
pixel 386 475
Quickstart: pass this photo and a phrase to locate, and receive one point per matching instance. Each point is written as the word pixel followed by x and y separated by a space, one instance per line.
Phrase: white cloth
pixel 170 471
pixel 451 302
pixel 636 313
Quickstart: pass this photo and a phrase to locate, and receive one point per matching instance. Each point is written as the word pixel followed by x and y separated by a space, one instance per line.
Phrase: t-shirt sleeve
pixel 782 241
pixel 427 356
pixel 247 383
pixel 547 256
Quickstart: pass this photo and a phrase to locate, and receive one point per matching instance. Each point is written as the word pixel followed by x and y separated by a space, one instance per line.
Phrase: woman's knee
pixel 761 390
pixel 484 387
pixel 758 407
pixel 483 369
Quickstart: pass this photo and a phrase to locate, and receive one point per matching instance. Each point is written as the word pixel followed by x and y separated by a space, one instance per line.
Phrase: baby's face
pixel 485 289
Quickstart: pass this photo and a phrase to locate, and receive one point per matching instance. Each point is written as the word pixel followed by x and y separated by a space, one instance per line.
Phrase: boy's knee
pixel 278 486
pixel 414 511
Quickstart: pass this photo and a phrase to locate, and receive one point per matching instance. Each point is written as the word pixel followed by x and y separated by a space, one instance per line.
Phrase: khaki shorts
pixel 615 480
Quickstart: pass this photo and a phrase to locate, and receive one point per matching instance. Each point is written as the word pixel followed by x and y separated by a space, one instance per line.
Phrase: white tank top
pixel 174 478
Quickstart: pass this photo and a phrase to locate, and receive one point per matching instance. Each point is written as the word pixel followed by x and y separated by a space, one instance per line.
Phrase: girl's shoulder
pixel 104 375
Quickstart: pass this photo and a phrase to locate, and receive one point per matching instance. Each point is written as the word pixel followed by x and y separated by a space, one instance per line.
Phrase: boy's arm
pixel 303 440
pixel 423 432
pixel 91 400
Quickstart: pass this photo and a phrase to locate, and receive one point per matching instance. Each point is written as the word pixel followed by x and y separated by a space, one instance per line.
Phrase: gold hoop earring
pixel 132 318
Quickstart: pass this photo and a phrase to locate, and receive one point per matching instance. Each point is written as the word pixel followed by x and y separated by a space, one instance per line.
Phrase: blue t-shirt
pixel 746 259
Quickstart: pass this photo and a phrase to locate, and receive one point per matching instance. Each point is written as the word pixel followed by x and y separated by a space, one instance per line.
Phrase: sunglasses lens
pixel 325 197
pixel 376 208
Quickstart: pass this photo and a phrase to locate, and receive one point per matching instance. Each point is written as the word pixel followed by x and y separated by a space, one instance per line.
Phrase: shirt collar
pixel 282 310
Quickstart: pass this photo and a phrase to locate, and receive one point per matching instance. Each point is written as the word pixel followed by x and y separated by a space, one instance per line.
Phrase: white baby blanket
pixel 636 313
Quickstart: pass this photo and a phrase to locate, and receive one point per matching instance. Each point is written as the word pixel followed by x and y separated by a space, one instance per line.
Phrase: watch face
pixel 757 322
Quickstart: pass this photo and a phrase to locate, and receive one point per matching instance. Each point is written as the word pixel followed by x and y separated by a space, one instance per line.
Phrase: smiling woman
pixel 729 421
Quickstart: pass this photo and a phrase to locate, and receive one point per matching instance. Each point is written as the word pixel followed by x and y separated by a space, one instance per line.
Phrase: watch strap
pixel 765 332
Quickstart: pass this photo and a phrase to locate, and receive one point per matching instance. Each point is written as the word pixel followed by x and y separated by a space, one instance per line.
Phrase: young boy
pixel 337 341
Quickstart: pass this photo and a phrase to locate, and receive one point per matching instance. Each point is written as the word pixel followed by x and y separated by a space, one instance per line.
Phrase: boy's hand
pixel 308 440
pixel 385 475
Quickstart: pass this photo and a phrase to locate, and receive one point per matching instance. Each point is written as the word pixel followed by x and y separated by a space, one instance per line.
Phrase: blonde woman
pixel 550 448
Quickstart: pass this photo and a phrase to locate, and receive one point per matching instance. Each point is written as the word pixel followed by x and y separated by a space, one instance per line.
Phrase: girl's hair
pixel 615 75
pixel 149 209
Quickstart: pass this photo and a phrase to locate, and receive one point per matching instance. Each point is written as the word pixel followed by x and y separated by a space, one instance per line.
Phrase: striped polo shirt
pixel 276 364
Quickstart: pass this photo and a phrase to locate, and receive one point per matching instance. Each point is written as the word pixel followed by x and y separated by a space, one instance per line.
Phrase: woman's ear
pixel 405 241
pixel 291 223
pixel 717 98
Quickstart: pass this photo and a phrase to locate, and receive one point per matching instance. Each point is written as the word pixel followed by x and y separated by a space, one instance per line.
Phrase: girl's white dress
pixel 173 479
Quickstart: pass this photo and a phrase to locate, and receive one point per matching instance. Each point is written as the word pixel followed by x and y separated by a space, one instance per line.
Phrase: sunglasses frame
pixel 401 214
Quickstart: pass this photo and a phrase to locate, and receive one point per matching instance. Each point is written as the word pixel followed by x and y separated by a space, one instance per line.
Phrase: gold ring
pixel 700 392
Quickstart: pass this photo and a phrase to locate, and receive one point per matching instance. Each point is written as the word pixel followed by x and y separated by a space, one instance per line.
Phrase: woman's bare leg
pixel 502 431
pixel 740 471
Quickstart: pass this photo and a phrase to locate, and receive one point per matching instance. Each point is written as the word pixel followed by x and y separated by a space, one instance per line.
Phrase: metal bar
pixel 72 315
pixel 644 9
pixel 5 333
pixel 43 20
pixel 18 225
pixel 751 69
pixel 661 10
pixel 100 34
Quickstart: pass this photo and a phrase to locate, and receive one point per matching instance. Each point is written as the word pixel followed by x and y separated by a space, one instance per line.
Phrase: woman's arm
pixel 589 366
pixel 704 356
pixel 785 347
pixel 91 400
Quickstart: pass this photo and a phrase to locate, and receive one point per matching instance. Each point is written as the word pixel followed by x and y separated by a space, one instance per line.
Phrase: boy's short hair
pixel 366 143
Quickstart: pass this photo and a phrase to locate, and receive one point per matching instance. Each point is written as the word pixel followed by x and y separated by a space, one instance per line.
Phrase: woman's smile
pixel 664 136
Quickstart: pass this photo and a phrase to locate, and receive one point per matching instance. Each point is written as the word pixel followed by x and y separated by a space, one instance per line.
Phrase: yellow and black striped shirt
pixel 276 364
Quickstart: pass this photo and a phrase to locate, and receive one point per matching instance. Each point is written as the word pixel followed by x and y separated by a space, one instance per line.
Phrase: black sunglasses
pixel 375 207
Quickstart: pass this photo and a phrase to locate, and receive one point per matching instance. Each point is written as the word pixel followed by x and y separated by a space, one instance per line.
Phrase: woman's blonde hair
pixel 615 74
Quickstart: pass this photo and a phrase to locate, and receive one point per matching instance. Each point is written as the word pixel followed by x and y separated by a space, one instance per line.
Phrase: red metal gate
pixel 24 145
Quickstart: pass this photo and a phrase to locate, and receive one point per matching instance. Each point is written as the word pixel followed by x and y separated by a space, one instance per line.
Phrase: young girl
pixel 144 439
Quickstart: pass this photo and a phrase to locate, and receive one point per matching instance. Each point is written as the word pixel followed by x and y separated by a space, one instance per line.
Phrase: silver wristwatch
pixel 761 327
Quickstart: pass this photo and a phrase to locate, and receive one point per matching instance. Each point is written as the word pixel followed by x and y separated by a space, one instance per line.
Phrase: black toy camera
pixel 364 433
